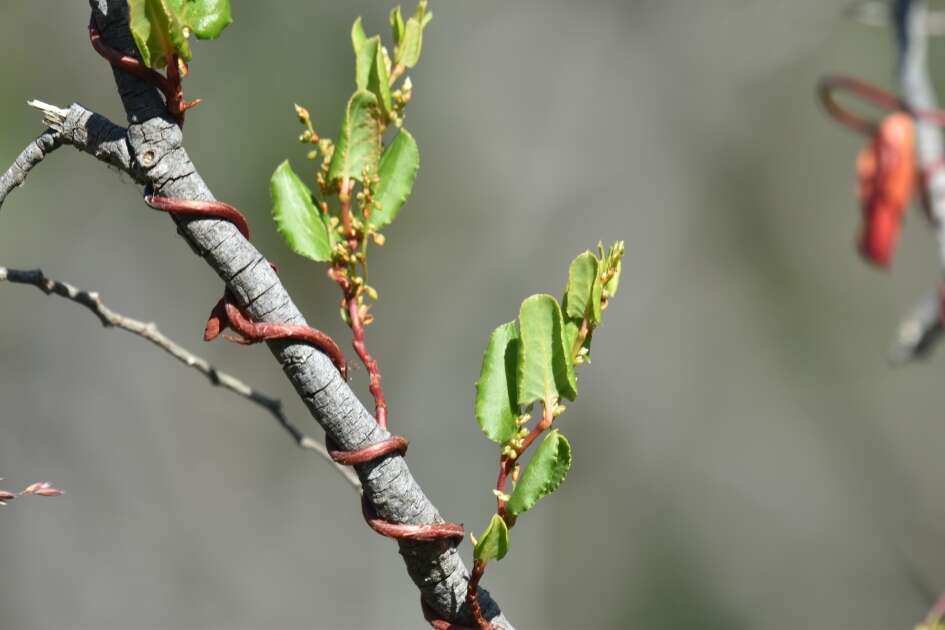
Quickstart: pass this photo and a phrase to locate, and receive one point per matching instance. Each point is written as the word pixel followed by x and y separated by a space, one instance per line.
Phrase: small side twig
pixel 33 154
pixel 85 130
pixel 150 332
pixel 38 489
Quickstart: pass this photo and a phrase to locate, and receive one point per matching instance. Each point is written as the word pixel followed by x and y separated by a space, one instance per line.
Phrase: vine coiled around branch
pixel 226 314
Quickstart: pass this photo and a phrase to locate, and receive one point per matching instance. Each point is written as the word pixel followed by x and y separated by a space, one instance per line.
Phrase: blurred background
pixel 744 455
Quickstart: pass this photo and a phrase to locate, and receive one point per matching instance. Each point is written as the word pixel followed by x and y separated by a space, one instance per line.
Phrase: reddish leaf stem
pixel 507 465
pixel 472 595
pixel 353 303
pixel 374 373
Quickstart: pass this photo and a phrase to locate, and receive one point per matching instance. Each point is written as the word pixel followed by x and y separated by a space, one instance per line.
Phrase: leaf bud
pixel 302 113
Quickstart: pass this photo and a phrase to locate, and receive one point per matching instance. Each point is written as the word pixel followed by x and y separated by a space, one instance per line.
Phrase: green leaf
pixel 161 27
pixel 614 283
pixel 379 80
pixel 206 18
pixel 612 266
pixel 410 45
pixel 158 31
pixel 365 52
pixel 397 171
pixel 397 24
pixel 358 149
pixel 595 314
pixel 545 370
pixel 371 71
pixel 572 328
pixel 494 542
pixel 298 220
pixel 546 471
pixel 358 36
pixel 496 407
pixel 582 276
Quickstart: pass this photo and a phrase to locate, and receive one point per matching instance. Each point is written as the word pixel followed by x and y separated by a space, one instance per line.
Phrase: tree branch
pixel 156 158
pixel 35 152
pixel 150 332
pixel 85 130
pixel 922 327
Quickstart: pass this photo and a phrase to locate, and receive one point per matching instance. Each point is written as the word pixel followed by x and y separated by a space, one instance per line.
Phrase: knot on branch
pixel 150 143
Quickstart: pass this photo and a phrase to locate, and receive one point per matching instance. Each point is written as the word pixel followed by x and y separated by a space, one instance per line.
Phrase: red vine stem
pixel 872 94
pixel 227 314
pixel 170 85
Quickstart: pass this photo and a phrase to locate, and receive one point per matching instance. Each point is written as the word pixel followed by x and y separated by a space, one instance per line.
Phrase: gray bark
pixel 33 154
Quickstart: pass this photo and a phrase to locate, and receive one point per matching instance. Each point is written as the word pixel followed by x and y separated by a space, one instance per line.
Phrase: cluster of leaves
pixel 162 28
pixel 532 360
pixel 357 165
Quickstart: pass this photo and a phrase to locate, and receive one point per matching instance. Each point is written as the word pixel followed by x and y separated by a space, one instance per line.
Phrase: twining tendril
pixel 226 314
pixel 871 94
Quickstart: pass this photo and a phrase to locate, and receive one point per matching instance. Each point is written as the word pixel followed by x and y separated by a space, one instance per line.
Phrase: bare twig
pixel 83 129
pixel 922 326
pixel 150 332
pixel 33 154
pixel 38 489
